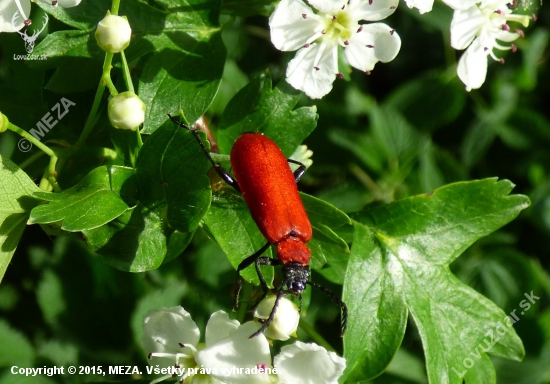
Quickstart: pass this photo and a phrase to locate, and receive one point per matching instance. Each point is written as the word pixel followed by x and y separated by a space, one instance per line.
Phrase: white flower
pixel 126 110
pixel 229 356
pixel 171 340
pixel 286 319
pixel 478 28
pixel 113 33
pixel 308 364
pixel 317 37
pixel 14 14
pixel 424 6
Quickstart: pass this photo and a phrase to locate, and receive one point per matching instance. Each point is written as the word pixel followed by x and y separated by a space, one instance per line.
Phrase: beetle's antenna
pixel 337 300
pixel 268 321
pixel 219 169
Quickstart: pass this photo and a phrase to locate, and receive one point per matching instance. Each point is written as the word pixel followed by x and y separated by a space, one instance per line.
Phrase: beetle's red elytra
pixel 270 191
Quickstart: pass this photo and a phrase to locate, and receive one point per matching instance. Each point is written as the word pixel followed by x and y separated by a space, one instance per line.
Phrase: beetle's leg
pixel 219 169
pixel 300 171
pixel 264 261
pixel 245 263
pixel 337 300
pixel 265 289
pixel 268 321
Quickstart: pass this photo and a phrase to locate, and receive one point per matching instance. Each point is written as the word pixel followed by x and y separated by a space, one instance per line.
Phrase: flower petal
pixel 375 42
pixel 68 3
pixel 328 6
pixel 165 328
pixel 506 36
pixel 289 29
pixel 472 66
pixel 460 4
pixel 308 364
pixel 219 327
pixel 423 6
pixel 372 10
pixel 465 26
pixel 237 351
pixel 313 69
pixel 7 11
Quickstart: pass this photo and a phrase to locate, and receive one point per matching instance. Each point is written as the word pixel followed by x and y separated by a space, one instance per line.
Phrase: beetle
pixel 269 188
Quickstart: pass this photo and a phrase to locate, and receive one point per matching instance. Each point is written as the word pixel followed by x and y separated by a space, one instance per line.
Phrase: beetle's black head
pixel 296 277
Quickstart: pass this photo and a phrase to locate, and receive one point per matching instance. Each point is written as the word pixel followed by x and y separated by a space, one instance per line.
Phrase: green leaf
pixel 326 246
pixel 400 262
pixel 532 50
pixel 16 349
pixel 231 224
pixel 391 142
pixel 171 169
pixel 60 353
pixel 65 51
pixel 243 8
pixel 329 254
pixel 429 101
pixel 320 211
pixel 16 201
pixel 138 240
pixel 186 78
pixel 260 108
pixel 100 197
pixel 174 195
pixel 186 69
pixel 84 17
pixel 49 295
pixel 482 132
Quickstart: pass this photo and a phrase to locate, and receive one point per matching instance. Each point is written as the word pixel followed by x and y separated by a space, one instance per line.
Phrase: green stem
pixel 47 150
pixel 114 7
pixel 90 121
pixel 126 73
pixel 106 77
pixel 315 336
pixel 139 139
pixel 50 172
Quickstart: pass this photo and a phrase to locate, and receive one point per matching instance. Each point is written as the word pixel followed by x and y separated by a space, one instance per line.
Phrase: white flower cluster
pixel 339 25
pixel 229 355
pixel 318 35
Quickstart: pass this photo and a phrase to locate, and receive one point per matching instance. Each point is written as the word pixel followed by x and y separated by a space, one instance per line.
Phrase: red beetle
pixel 269 188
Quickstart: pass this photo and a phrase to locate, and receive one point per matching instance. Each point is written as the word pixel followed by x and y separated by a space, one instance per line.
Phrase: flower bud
pixel 4 123
pixel 285 321
pixel 113 33
pixel 126 111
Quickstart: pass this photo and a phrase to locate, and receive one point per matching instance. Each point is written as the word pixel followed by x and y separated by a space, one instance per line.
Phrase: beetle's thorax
pixel 293 250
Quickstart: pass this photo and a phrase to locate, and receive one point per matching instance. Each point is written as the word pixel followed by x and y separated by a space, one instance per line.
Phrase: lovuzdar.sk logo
pixel 29 40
